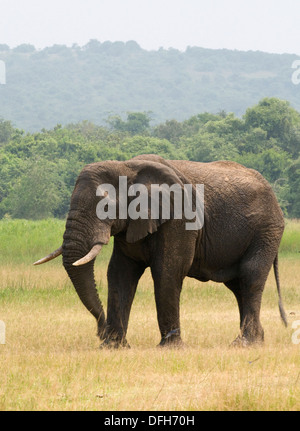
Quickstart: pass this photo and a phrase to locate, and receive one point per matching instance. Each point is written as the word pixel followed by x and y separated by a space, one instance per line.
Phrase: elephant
pixel 236 245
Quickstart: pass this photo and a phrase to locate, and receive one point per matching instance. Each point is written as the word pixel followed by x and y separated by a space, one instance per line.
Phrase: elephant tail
pixel 281 309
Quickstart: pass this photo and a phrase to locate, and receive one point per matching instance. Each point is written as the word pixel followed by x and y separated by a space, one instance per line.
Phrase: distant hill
pixel 65 85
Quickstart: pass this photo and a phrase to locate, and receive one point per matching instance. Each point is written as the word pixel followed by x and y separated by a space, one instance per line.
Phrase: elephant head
pixel 85 233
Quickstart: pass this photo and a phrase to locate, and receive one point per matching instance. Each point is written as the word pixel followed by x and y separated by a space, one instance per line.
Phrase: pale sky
pixel 264 25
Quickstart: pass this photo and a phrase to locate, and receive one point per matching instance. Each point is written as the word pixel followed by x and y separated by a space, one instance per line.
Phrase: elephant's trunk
pixel 77 245
pixel 83 280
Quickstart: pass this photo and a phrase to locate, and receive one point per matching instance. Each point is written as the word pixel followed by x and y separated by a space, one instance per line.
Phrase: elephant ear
pixel 147 180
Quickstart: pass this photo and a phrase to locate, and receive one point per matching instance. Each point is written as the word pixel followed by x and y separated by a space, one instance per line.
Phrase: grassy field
pixel 51 359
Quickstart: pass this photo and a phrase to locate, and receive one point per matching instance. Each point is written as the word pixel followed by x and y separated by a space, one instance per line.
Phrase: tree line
pixel 38 170
pixel 60 84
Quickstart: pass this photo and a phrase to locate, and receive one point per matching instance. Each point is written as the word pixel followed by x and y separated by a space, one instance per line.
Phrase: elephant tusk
pixel 90 256
pixel 50 256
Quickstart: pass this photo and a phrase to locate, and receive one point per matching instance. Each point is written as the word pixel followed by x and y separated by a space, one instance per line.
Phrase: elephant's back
pixel 229 186
pixel 219 172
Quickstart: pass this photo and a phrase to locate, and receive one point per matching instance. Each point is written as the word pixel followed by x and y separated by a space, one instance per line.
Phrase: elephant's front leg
pixel 123 276
pixel 167 286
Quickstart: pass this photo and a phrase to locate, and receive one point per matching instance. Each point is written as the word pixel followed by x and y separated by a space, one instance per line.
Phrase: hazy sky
pixel 265 25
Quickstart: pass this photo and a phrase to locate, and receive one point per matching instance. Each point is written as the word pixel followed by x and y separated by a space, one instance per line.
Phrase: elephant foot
pixel 109 343
pixel 242 341
pixel 172 339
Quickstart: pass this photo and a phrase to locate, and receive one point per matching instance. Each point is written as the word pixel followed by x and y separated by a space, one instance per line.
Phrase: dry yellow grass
pixel 51 359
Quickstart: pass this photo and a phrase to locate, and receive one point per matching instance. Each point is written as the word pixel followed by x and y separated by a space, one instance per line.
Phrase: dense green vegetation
pixel 61 84
pixel 38 170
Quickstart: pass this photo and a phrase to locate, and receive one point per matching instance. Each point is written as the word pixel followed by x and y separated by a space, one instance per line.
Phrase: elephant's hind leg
pixel 248 294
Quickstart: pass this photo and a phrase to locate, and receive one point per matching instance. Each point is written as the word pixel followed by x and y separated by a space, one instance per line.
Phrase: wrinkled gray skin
pixel 237 245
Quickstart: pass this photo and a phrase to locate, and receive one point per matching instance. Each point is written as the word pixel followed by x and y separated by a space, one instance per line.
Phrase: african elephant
pixel 237 244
